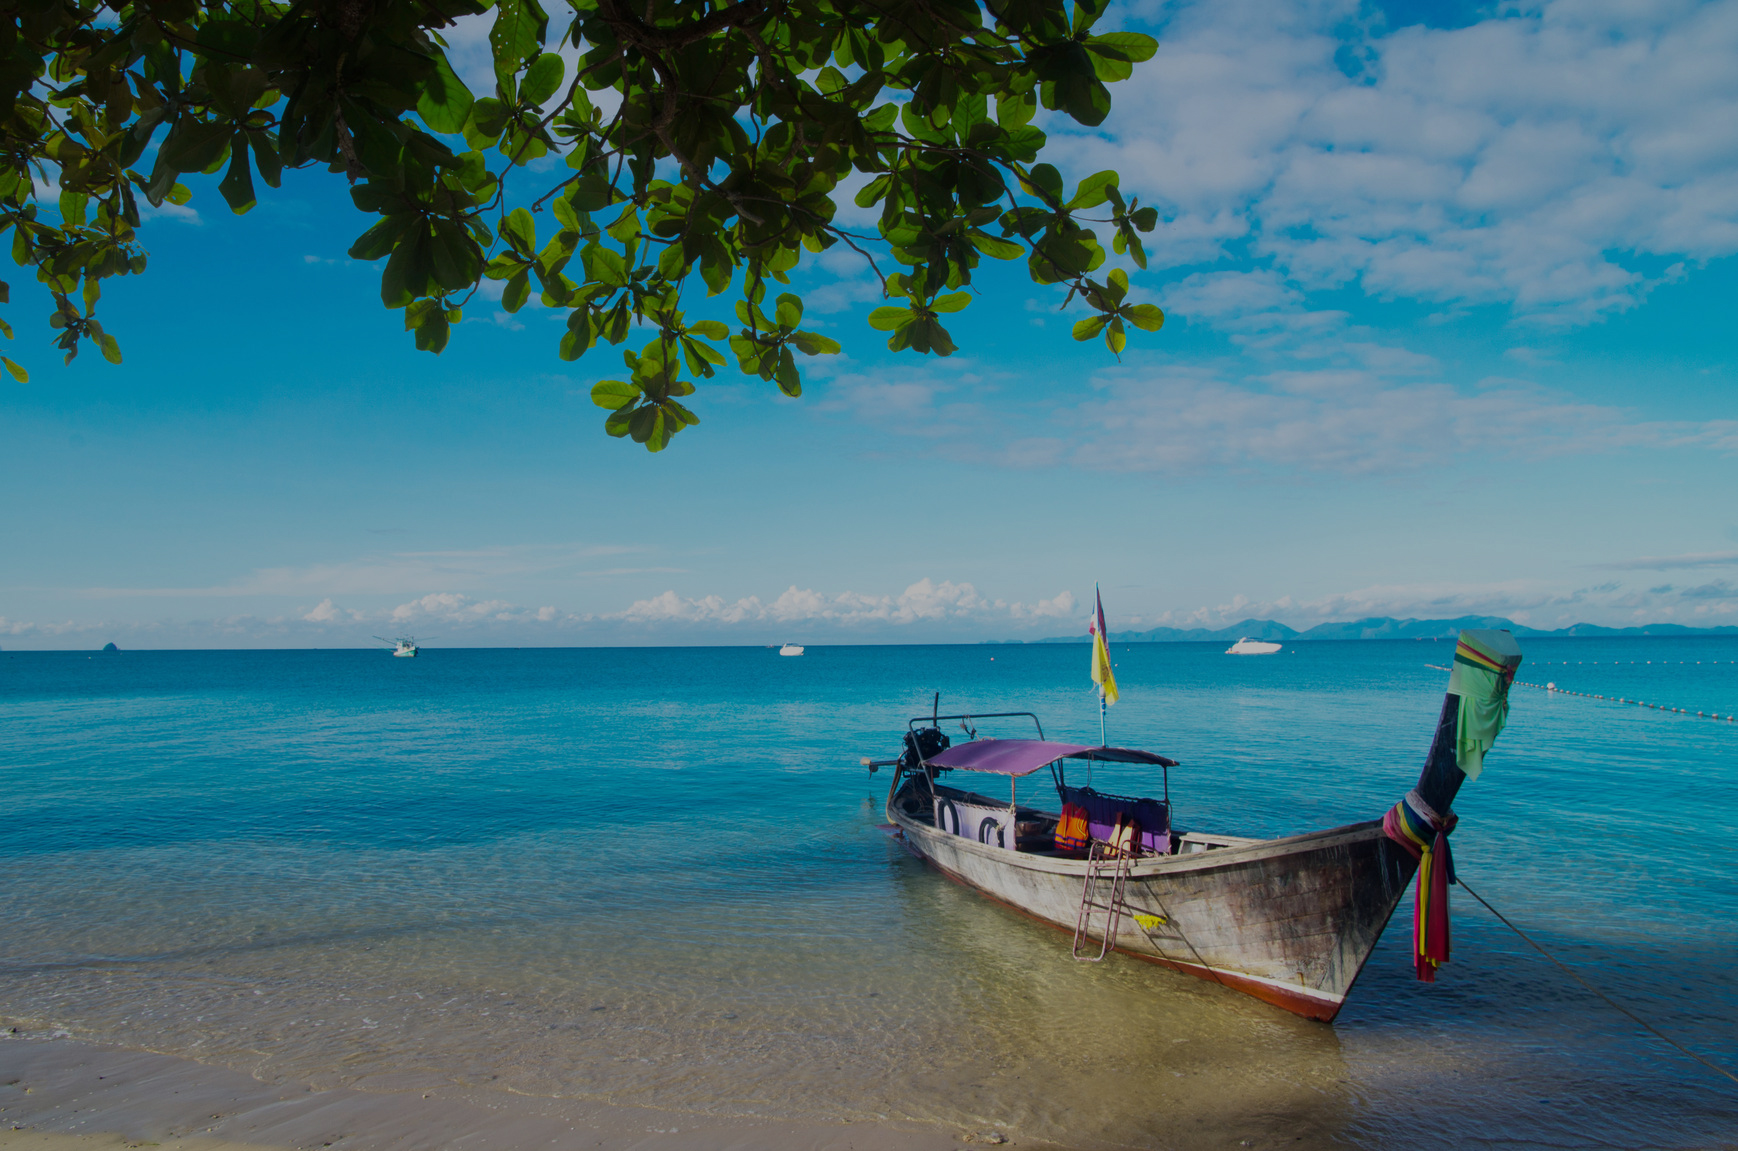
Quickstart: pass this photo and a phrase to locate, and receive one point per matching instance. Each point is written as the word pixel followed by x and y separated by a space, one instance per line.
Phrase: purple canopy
pixel 1024 756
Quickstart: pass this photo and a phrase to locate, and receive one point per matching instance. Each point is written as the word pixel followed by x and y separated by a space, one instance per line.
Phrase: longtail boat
pixel 1290 921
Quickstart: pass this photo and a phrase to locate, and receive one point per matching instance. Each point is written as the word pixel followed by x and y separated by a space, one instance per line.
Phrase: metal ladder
pixel 1104 864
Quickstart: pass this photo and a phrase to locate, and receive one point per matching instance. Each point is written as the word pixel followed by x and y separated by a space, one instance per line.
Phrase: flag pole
pixel 1102 675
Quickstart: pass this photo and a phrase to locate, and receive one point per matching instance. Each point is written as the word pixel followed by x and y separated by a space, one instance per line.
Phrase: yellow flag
pixel 1102 674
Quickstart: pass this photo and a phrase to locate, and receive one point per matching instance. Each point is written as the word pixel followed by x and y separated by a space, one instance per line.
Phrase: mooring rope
pixel 1573 974
pixel 1555 690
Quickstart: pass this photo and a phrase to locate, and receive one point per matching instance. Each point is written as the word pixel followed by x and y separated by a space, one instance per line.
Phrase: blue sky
pixel 1449 294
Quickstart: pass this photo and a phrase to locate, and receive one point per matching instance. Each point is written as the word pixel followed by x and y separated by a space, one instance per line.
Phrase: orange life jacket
pixel 1072 832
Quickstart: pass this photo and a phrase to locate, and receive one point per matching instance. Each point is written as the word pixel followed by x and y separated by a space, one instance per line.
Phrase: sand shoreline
pixel 62 1094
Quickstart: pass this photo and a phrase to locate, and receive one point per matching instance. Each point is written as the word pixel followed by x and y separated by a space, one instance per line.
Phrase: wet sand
pixel 63 1095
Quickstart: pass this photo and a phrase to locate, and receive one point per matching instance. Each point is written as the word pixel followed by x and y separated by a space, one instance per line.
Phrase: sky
pixel 1449 293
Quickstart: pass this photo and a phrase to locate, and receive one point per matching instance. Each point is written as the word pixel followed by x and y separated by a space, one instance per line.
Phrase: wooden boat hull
pixel 1289 921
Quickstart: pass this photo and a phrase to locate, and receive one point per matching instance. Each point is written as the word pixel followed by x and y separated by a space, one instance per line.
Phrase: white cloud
pixel 1528 160
pixel 1674 563
pixel 398 573
pixel 923 601
pixel 1346 420
pixel 327 612
pixel 456 608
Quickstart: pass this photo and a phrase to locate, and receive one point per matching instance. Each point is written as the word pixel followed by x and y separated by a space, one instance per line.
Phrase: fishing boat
pixel 1248 646
pixel 404 647
pixel 1290 921
pixel 791 649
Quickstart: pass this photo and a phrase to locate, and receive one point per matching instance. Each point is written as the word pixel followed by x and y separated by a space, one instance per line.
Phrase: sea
pixel 654 877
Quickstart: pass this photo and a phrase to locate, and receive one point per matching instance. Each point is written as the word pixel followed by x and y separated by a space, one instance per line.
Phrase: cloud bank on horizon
pixel 926 611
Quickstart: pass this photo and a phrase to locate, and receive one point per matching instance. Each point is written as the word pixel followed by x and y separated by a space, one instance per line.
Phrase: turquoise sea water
pixel 652 876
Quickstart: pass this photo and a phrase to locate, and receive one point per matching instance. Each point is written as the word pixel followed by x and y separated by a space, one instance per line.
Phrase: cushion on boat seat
pixel 1102 810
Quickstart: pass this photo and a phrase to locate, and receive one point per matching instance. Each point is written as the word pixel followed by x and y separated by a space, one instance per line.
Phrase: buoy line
pixel 1555 690
pixel 1627 662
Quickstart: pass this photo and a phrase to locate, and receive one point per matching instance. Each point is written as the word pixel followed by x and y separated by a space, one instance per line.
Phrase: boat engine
pixel 922 744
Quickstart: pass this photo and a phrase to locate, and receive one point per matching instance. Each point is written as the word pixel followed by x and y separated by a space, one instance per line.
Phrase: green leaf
pixel 454 258
pixel 1146 317
pixel 1086 14
pixel 18 373
pixel 790 381
pixel 889 318
pixel 237 185
pixel 872 192
pixel 1090 327
pixel 488 119
pixel 445 103
pixel 406 273
pixel 645 423
pixel 951 303
pixel 267 158
pixel 1123 47
pixel 430 323
pixel 615 394
pixel 542 79
pixel 1115 339
pixel 111 349
pixel 380 239
pixel 194 145
pixel 1044 180
pixel 565 213
pixel 516 37
pixel 789 312
pixel 811 344
pixel 518 290
pixel 604 265
pixel 520 230
pixel 994 246
pixel 72 207
pixel 1093 191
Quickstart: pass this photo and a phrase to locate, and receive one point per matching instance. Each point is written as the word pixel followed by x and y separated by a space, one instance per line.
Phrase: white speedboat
pixel 1247 646
pixel 404 647
pixel 791 649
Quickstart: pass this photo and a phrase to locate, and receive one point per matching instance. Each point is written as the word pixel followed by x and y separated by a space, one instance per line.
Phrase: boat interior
pixel 1086 816
pixel 1035 828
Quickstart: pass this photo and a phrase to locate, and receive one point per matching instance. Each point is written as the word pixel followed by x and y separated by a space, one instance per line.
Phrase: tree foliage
pixel 649 148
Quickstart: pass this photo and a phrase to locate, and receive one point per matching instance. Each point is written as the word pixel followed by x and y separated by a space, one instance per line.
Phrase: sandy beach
pixel 63 1095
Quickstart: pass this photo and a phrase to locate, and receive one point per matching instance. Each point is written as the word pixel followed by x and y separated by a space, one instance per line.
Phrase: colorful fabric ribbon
pixel 1424 835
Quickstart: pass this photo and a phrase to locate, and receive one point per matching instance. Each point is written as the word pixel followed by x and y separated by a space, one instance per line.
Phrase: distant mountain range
pixel 1378 627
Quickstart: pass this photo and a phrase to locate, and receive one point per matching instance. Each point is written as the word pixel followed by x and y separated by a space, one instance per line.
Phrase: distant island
pixel 1377 627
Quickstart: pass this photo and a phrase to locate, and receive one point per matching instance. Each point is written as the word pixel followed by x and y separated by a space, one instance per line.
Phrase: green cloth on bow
pixel 1485 662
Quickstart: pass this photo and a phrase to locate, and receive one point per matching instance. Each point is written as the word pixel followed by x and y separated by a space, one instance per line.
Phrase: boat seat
pixel 1102 809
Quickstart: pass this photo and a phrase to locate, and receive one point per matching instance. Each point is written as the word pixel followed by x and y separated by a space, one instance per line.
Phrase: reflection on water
pixel 319 874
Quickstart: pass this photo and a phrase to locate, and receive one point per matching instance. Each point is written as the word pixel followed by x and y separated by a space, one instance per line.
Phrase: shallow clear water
pixel 652 876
